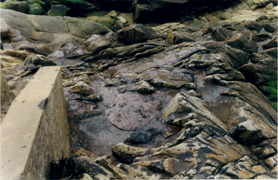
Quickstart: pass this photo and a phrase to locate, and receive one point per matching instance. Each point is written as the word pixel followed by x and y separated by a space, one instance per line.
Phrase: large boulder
pixel 21 6
pixel 46 33
pixel 244 40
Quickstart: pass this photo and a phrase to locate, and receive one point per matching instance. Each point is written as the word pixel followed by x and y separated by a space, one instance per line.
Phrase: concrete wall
pixel 35 129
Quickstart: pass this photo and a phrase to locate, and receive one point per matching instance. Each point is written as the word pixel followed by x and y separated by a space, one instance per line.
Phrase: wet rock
pixel 128 153
pixel 70 49
pixel 261 72
pixel 37 59
pixel 176 105
pixel 167 28
pixel 135 34
pixel 240 169
pixel 144 87
pixel 254 26
pixel 270 44
pixel 84 29
pixel 248 129
pixel 58 10
pixel 263 37
pixel 243 40
pixel 177 38
pixel 220 34
pixel 15 53
pixel 208 28
pixel 146 134
pixel 82 88
pixel 97 43
pixel 270 27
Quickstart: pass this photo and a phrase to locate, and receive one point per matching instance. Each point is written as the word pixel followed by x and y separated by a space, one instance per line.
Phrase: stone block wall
pixel 35 129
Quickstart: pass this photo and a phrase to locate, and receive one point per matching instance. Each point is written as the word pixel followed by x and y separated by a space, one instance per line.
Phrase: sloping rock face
pixel 193 102
pixel 45 34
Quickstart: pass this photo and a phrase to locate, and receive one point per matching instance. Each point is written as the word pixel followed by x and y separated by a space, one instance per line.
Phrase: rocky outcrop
pixel 46 34
pixel 173 101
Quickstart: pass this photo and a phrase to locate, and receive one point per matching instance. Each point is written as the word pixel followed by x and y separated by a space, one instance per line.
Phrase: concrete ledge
pixel 35 129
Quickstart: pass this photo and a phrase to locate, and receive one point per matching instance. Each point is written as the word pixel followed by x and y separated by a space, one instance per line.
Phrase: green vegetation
pixel 272 93
pixel 270 90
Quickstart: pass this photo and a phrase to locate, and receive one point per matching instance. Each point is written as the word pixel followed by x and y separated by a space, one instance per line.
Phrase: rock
pixel 177 38
pixel 211 18
pixel 136 33
pixel 263 37
pixel 4 30
pixel 261 72
pixel 263 177
pixel 15 53
pixel 21 6
pixel 84 29
pixel 177 105
pixel 243 40
pixel 97 43
pixel 143 87
pixel 220 34
pixel 39 60
pixel 271 161
pixel 167 28
pixel 70 49
pixel 270 27
pixel 128 153
pixel 226 15
pixel 36 9
pixel 82 88
pixel 113 14
pixel 269 6
pixel 86 177
pixel 254 26
pixel 106 20
pixel 122 19
pixel 58 10
pixel 270 44
pixel 208 28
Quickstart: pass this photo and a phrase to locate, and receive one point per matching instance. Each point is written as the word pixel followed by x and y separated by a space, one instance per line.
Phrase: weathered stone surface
pixel 58 10
pixel 143 87
pixel 21 6
pixel 270 44
pixel 220 34
pixel 4 30
pixel 135 34
pixel 177 38
pixel 39 60
pixel 243 40
pixel 84 29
